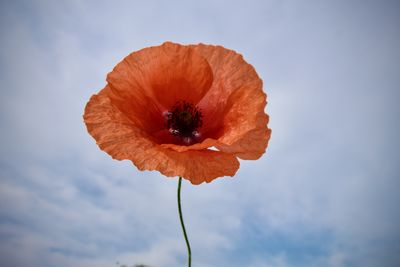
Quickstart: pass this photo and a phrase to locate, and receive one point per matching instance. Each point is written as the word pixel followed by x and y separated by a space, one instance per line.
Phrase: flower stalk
pixel 182 223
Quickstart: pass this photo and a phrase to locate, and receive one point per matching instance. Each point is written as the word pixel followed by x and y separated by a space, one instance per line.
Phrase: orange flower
pixel 165 107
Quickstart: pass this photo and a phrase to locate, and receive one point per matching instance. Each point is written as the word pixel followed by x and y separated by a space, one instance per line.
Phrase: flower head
pixel 165 108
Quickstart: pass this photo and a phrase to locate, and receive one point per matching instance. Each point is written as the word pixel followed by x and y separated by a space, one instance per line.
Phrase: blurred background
pixel 326 193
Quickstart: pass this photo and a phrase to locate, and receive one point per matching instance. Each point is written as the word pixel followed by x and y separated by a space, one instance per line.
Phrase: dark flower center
pixel 183 121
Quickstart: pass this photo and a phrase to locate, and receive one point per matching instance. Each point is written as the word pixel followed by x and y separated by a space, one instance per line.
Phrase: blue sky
pixel 324 194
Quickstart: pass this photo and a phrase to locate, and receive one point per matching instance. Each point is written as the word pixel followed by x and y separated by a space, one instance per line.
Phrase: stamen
pixel 187 140
pixel 196 134
pixel 183 120
pixel 167 115
pixel 174 131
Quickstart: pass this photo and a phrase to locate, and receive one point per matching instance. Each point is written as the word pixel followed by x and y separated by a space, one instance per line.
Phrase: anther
pixel 183 120
pixel 196 134
pixel 174 131
pixel 187 140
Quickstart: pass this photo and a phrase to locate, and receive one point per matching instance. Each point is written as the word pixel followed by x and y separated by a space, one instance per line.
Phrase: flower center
pixel 183 120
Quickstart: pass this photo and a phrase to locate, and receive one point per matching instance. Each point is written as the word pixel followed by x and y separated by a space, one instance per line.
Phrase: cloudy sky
pixel 326 192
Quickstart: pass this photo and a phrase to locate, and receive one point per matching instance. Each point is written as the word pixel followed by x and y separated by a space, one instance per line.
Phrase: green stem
pixel 182 224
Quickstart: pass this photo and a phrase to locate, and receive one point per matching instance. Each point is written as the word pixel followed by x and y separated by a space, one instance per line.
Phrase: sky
pixel 325 193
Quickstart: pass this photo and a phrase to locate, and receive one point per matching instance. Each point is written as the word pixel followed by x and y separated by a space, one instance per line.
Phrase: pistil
pixel 183 121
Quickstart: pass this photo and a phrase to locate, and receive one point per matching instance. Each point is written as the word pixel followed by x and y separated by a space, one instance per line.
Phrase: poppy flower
pixel 183 110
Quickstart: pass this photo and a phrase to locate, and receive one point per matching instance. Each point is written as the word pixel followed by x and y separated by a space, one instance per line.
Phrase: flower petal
pixel 234 106
pixel 197 166
pixel 252 144
pixel 166 73
pixel 117 135
pixel 209 142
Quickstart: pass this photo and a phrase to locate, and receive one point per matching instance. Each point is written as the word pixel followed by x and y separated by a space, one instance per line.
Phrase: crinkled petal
pixel 252 144
pixel 234 106
pixel 209 142
pixel 115 133
pixel 166 74
pixel 197 166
